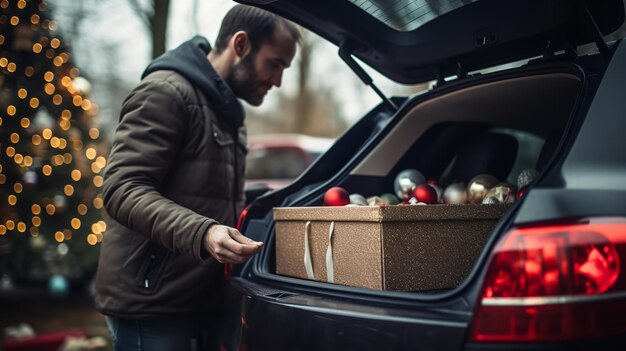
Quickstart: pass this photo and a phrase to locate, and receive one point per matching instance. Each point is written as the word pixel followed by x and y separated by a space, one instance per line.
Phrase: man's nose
pixel 277 79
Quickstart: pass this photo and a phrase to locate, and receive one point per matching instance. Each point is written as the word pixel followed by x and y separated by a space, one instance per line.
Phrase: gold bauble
pixel 479 186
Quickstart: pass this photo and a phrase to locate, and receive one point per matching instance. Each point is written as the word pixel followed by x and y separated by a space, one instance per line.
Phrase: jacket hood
pixel 190 60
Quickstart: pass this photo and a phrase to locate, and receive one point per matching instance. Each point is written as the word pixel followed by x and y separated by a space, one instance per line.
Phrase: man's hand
pixel 228 245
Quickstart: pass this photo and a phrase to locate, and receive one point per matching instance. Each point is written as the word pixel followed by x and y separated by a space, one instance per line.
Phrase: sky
pixel 113 23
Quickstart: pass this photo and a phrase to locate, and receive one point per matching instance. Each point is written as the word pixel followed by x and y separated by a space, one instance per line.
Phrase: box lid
pixel 389 213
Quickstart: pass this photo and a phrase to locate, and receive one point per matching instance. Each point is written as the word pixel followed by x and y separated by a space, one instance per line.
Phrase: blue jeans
pixel 165 333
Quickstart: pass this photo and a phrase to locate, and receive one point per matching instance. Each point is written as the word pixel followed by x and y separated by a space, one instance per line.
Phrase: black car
pixel 519 85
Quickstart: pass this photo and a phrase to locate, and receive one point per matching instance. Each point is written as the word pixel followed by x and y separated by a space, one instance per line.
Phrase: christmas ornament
pixel 520 193
pixel 59 202
pixel 439 191
pixel 526 176
pixel 502 192
pixel 63 249
pixel 455 194
pixel 43 119
pixel 425 193
pixel 358 199
pixel 38 243
pixel 406 181
pixel 390 198
pixel 478 187
pixel 490 200
pixel 336 196
pixel 432 181
pixel 376 201
pixel 82 85
pixel 58 285
pixel 30 178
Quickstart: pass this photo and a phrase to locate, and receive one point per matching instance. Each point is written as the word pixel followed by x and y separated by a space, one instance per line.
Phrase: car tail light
pixel 228 267
pixel 242 217
pixel 555 283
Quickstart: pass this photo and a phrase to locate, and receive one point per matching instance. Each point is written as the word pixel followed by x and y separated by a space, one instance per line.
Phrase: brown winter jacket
pixel 170 175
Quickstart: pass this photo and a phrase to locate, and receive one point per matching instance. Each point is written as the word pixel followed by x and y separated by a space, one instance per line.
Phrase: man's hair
pixel 260 25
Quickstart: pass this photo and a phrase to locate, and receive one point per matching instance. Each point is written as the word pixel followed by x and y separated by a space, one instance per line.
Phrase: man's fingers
pixel 228 245
pixel 241 249
pixel 240 238
pixel 226 256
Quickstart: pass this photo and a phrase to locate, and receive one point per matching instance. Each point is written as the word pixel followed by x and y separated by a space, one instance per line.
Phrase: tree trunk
pixel 303 99
pixel 158 24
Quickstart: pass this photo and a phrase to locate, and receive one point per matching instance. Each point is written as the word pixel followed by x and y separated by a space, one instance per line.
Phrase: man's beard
pixel 244 81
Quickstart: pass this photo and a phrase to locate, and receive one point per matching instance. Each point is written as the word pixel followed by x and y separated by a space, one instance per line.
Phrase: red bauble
pixel 520 193
pixel 336 196
pixel 432 181
pixel 426 194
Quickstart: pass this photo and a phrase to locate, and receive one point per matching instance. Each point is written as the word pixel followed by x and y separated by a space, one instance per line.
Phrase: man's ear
pixel 240 44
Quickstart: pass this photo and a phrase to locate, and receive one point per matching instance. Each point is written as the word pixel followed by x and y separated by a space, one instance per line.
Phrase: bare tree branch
pixel 155 21
pixel 194 17
pixel 141 13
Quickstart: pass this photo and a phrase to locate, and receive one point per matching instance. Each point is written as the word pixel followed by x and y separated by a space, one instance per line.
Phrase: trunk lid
pixel 413 41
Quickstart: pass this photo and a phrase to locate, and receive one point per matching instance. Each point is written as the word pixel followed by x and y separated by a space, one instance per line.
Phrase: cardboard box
pixel 406 248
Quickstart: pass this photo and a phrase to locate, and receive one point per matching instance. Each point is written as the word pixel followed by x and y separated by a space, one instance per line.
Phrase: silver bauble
pixel 406 181
pixel 390 198
pixel 490 200
pixel 358 199
pixel 503 192
pixel 376 201
pixel 526 176
pixel 455 194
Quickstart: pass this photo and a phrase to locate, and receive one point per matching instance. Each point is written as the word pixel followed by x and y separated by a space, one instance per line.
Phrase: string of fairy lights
pixel 67 152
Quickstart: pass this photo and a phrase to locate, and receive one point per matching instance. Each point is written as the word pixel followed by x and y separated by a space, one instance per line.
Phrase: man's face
pixel 258 72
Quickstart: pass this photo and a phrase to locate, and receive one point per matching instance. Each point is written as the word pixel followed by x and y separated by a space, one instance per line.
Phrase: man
pixel 174 183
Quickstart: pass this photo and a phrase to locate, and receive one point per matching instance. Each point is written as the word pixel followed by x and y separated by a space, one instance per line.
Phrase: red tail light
pixel 242 217
pixel 555 283
pixel 228 267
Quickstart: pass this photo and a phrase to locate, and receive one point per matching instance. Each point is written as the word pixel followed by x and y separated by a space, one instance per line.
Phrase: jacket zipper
pixel 236 181
pixel 157 258
pixel 146 281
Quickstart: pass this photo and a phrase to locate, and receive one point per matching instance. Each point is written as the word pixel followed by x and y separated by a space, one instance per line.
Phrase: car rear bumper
pixel 270 319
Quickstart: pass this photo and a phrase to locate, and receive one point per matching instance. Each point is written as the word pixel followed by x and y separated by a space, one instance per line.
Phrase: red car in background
pixel 275 160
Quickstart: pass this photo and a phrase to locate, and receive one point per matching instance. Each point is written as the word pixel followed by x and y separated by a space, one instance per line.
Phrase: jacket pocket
pixel 221 137
pixel 223 158
pixel 153 267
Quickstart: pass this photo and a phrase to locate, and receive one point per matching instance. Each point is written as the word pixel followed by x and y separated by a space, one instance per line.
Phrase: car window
pixel 314 154
pixel 275 163
pixel 528 151
pixel 526 155
pixel 407 15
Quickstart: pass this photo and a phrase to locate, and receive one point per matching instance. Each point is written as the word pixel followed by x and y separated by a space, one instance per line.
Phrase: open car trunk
pixel 500 124
pixel 503 124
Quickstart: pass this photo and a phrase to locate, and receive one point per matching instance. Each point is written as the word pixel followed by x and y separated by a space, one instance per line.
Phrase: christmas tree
pixel 51 154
